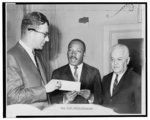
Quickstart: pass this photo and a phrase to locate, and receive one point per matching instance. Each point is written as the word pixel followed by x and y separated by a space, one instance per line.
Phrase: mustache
pixel 72 57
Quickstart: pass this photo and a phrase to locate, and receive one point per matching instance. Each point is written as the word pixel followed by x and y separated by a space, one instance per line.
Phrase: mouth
pixel 116 68
pixel 42 44
pixel 73 59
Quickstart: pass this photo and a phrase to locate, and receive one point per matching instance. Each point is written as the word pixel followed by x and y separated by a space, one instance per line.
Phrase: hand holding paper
pixel 85 93
pixel 69 85
pixel 70 96
pixel 52 85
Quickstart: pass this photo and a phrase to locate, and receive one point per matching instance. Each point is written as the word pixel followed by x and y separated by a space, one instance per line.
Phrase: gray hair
pixel 123 47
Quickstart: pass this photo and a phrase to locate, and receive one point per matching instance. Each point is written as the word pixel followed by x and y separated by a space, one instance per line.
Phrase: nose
pixel 46 39
pixel 73 53
pixel 115 62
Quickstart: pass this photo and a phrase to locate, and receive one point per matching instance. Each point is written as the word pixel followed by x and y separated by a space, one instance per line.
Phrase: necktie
pixel 115 83
pixel 76 73
pixel 37 65
pixel 35 60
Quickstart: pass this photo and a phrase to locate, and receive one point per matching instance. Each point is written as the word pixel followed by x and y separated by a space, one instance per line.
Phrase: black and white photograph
pixel 75 59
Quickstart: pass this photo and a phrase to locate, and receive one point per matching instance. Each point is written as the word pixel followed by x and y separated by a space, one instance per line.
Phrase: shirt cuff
pixel 65 101
pixel 91 99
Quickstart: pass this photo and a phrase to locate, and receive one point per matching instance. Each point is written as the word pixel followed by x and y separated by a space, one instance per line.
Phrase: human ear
pixel 84 54
pixel 128 60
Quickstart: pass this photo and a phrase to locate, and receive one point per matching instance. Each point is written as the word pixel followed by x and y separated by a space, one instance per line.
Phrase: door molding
pixel 111 35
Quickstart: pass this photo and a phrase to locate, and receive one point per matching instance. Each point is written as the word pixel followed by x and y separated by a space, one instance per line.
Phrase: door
pixel 135 49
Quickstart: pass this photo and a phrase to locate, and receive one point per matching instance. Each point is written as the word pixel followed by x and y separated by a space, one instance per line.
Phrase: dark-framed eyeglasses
pixel 45 34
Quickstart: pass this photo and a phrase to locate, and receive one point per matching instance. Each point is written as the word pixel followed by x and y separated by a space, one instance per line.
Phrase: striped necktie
pixel 115 83
pixel 37 65
pixel 35 59
pixel 75 73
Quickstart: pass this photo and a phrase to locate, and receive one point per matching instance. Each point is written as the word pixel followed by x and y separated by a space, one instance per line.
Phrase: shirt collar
pixel 79 70
pixel 119 75
pixel 79 66
pixel 25 46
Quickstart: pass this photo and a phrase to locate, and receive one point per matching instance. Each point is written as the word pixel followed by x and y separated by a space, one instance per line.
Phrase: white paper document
pixel 69 85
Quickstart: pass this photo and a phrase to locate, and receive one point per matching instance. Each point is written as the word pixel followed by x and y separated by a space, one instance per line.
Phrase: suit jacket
pixel 127 95
pixel 24 83
pixel 90 79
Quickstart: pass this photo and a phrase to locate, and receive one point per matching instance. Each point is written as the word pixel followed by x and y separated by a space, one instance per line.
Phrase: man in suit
pixel 76 70
pixel 26 82
pixel 122 87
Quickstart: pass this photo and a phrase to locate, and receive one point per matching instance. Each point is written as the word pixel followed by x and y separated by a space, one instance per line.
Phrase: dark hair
pixel 78 40
pixel 33 20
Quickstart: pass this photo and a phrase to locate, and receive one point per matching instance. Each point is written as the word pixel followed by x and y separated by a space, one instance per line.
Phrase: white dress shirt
pixel 113 80
pixel 28 50
pixel 79 70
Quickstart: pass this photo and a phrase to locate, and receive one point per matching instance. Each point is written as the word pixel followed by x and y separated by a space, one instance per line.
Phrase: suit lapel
pixel 26 57
pixel 69 73
pixel 41 71
pixel 109 84
pixel 121 83
pixel 84 75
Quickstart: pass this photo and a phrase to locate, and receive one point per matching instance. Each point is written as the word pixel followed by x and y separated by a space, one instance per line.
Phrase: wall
pixel 14 16
pixel 66 18
pixel 92 32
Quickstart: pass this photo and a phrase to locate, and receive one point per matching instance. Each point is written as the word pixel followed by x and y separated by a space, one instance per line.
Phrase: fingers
pixel 71 95
pixel 85 93
pixel 58 84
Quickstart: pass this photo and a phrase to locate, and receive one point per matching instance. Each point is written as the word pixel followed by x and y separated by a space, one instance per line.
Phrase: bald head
pixel 119 58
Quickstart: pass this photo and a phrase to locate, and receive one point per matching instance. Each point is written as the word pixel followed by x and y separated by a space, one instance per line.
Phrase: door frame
pixel 111 35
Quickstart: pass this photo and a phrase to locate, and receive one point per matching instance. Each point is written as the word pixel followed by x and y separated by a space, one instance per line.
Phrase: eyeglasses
pixel 45 34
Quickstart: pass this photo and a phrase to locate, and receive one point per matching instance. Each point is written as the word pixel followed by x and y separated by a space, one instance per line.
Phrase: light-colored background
pixel 99 34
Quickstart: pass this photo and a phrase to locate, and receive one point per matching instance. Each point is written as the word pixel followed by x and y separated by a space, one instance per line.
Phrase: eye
pixel 69 50
pixel 46 34
pixel 112 59
pixel 79 51
pixel 120 59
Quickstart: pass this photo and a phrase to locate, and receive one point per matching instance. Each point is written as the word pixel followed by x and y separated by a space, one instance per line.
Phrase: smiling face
pixel 119 60
pixel 75 53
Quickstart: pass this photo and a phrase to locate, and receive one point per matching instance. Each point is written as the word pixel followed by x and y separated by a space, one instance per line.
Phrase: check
pixel 69 85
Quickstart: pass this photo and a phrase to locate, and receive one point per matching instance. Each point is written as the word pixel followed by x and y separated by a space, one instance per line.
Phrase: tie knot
pixel 116 76
pixel 75 67
pixel 33 52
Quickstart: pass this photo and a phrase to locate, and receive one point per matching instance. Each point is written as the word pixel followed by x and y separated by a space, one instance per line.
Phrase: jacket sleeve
pixel 97 89
pixel 16 91
pixel 56 97
pixel 137 94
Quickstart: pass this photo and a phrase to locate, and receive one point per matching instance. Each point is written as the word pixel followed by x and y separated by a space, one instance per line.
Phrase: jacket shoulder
pixel 14 50
pixel 136 78
pixel 90 68
pixel 62 68
pixel 108 75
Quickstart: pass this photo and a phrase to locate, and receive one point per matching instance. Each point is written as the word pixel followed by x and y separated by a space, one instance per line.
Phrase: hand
pixel 70 96
pixel 52 85
pixel 85 93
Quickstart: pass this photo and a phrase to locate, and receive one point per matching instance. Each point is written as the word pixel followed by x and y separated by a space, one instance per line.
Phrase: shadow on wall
pixel 50 50
pixel 55 42
pixel 135 48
